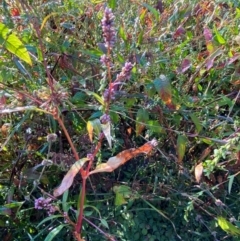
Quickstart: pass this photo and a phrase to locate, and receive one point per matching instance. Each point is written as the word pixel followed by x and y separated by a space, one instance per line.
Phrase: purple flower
pixel 107 93
pixel 109 33
pixel 125 73
pixel 44 203
pixel 105 119
pixel 105 60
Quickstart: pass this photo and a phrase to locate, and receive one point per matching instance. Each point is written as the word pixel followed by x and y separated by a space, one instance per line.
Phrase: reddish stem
pixel 60 122
pixel 78 227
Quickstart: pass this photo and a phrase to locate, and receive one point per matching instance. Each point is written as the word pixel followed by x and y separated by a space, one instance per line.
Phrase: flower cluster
pixel 105 119
pixel 51 137
pixel 106 61
pixel 109 33
pixel 109 94
pixel 122 76
pixel 125 73
pixel 44 203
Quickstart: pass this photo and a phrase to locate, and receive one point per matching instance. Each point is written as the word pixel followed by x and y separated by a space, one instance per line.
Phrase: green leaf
pixel 54 232
pixel 219 37
pixel 121 192
pixel 153 10
pixel 196 122
pixel 140 38
pixel 164 89
pixel 141 120
pixel 122 33
pixel 49 218
pixel 119 199
pixel 154 126
pixel 13 44
pixel 13 204
pixel 230 183
pixel 96 96
pixel 228 227
pixel 104 223
pixel 65 205
pixel 112 3
pixel 237 13
pixel 181 147
pixel 93 125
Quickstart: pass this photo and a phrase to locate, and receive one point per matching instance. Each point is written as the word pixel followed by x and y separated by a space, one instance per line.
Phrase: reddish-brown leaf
pixel 69 177
pixel 186 64
pixel 124 156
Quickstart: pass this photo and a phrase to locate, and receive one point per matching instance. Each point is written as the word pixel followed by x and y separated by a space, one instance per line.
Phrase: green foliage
pixel 183 90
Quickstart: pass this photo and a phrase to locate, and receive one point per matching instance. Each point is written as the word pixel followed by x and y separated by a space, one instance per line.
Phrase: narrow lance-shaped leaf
pixel 181 147
pixel 93 125
pixel 13 44
pixel 68 178
pixel 118 160
pixel 122 33
pixel 219 37
pixel 228 227
pixel 230 183
pixel 54 232
pixel 153 10
pixel 196 122
pixel 141 119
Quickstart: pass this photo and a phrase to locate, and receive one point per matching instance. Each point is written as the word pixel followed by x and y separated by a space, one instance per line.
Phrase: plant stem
pixel 60 122
pixel 78 227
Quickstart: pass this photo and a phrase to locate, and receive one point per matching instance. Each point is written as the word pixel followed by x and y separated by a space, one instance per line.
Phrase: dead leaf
pixel 68 178
pixel 118 160
pixel 198 172
pixel 106 128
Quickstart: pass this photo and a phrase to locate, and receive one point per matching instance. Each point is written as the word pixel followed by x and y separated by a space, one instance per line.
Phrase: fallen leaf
pixel 68 178
pixel 198 172
pixel 118 160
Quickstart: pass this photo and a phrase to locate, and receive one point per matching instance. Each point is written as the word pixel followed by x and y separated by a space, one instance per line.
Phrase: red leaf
pixel 179 32
pixel 186 64
pixel 15 12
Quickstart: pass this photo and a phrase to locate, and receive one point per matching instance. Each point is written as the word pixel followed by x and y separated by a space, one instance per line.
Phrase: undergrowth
pixel 119 120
